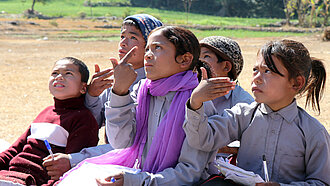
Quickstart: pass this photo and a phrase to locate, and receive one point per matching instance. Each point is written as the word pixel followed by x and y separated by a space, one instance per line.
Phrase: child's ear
pixel 185 60
pixel 299 83
pixel 227 66
pixel 83 88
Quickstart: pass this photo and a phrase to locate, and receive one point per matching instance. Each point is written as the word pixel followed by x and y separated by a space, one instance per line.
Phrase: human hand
pixel 100 81
pixel 209 89
pixel 124 73
pixel 55 169
pixel 267 184
pixel 107 181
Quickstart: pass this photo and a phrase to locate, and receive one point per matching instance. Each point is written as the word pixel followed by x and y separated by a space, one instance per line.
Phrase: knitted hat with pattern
pixel 227 49
pixel 146 23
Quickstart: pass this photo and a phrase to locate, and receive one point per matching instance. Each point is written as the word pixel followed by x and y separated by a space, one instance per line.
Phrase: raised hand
pixel 100 81
pixel 124 73
pixel 209 89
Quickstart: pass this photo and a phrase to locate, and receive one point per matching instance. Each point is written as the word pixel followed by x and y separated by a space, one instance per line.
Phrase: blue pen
pixel 49 149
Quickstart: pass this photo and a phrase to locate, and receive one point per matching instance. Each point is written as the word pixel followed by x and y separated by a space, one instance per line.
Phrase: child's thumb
pixel 114 62
pixel 204 73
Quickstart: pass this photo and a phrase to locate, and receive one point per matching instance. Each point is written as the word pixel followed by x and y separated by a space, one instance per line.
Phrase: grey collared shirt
pixel 120 125
pixel 296 145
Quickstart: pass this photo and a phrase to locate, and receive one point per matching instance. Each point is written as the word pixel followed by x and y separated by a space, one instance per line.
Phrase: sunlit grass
pixel 68 8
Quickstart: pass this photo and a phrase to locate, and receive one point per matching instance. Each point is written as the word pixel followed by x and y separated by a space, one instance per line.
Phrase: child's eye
pixel 157 47
pixel 268 71
pixel 206 56
pixel 122 37
pixel 254 70
pixel 68 73
pixel 54 73
pixel 133 37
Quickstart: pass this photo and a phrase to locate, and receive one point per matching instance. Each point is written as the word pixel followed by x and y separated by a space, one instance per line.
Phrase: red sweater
pixel 68 126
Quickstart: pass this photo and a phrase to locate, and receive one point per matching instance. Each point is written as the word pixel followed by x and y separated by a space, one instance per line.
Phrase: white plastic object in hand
pixel 236 174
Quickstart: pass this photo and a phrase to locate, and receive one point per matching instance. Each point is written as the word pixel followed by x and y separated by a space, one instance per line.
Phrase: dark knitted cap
pixel 146 23
pixel 227 49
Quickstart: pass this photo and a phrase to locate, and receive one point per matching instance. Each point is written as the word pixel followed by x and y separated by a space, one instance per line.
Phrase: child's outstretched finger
pixel 98 76
pixel 204 73
pixel 114 62
pixel 97 68
pixel 129 54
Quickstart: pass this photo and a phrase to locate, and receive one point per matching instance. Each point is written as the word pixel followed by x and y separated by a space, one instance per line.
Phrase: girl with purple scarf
pixel 145 126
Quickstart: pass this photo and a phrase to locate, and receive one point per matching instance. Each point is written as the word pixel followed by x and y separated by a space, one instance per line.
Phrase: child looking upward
pixel 147 123
pixel 222 57
pixel 134 32
pixel 67 125
pixel 296 145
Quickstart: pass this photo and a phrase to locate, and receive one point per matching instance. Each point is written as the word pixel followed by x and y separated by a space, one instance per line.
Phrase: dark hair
pixel 231 74
pixel 183 40
pixel 296 59
pixel 83 69
pixel 130 22
pixel 199 71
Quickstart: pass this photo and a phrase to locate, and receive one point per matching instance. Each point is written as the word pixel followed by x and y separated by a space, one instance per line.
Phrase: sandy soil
pixel 26 60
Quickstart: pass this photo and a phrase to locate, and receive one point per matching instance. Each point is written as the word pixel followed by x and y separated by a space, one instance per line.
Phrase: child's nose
pixel 59 76
pixel 147 55
pixel 123 42
pixel 202 60
pixel 257 78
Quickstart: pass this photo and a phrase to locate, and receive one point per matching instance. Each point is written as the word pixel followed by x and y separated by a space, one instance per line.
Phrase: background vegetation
pixel 309 13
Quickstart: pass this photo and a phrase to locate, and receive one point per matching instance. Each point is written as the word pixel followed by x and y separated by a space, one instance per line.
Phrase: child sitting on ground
pixel 147 124
pixel 68 126
pixel 296 146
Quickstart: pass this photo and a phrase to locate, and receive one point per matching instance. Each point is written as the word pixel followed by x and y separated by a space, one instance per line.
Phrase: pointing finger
pixel 129 55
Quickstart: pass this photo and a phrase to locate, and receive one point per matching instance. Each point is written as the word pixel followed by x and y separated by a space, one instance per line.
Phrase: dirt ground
pixel 27 57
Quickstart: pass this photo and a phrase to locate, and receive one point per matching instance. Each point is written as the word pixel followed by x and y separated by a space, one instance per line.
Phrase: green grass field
pixel 199 33
pixel 72 9
pixel 69 8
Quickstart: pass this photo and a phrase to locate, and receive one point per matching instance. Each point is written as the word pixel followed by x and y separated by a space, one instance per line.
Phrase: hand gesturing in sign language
pixel 124 74
pixel 209 89
pixel 100 81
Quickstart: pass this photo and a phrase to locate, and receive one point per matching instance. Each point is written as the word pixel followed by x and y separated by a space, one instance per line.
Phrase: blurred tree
pixel 36 1
pixel 289 7
pixel 313 13
pixel 187 6
pixel 236 8
pixel 269 8
pixel 302 7
pixel 324 11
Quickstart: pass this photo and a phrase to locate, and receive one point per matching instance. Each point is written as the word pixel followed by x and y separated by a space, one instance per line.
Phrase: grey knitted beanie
pixel 227 49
